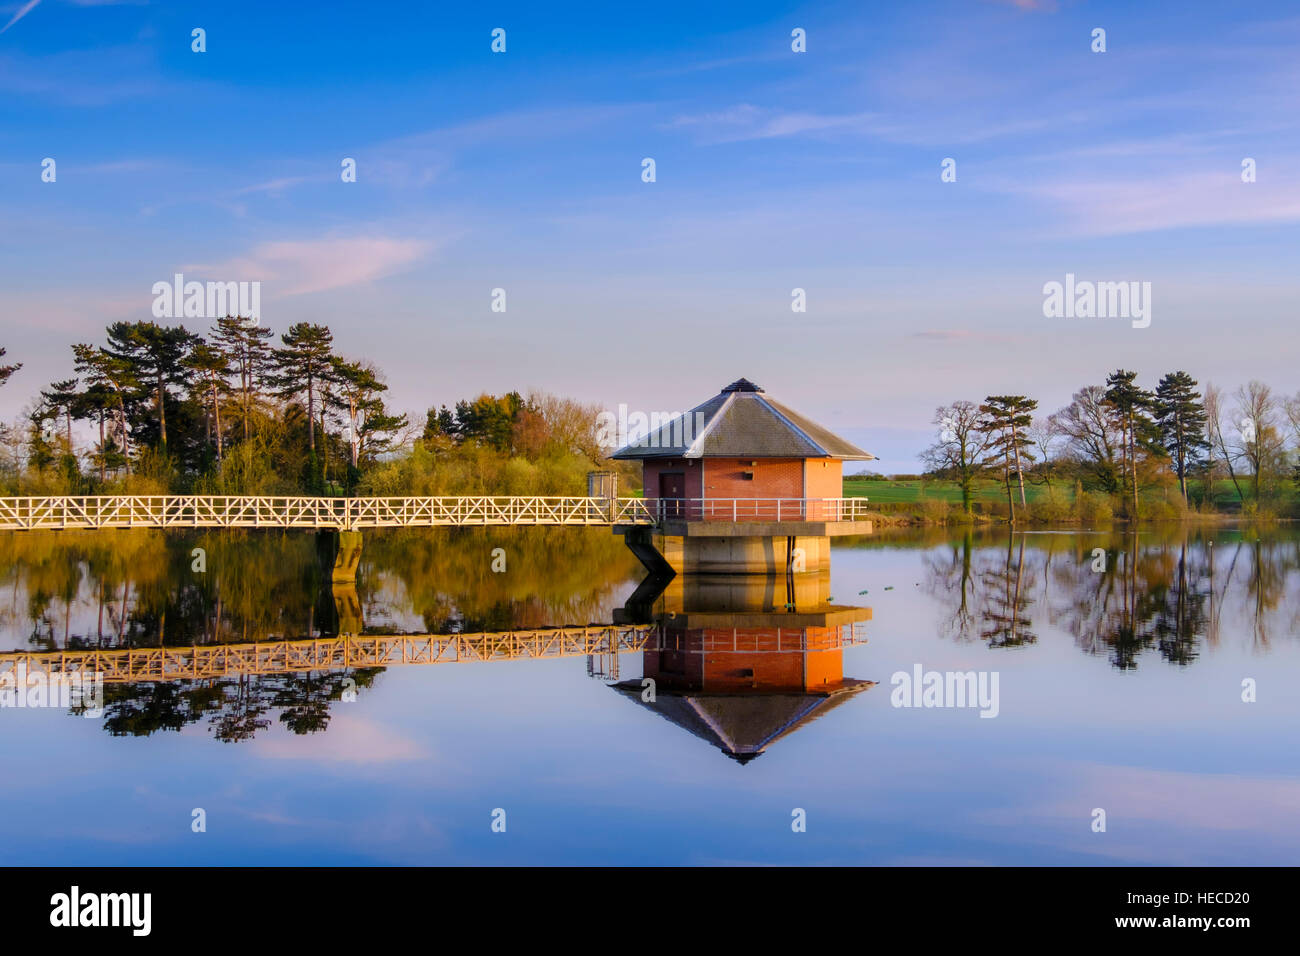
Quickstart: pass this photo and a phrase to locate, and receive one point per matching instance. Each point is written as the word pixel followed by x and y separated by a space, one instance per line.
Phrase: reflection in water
pixel 114 591
pixel 743 688
pixel 138 588
pixel 743 661
pixel 1119 595
pixel 736 674
pixel 738 661
pixel 236 708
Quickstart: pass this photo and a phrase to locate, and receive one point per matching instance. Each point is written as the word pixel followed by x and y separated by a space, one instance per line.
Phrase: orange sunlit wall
pixel 732 660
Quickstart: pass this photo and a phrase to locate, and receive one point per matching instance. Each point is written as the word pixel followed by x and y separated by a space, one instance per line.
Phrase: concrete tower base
pixel 767 555
pixel 715 547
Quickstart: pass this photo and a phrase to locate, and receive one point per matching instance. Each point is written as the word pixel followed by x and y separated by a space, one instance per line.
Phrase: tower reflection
pixel 744 661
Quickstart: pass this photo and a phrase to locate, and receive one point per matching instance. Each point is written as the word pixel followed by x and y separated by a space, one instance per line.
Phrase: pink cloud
pixel 1101 207
pixel 348 740
pixel 298 267
pixel 1048 6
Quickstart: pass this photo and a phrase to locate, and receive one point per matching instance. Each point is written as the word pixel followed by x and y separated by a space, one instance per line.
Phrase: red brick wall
pixel 654 467
pixel 721 478
pixel 703 659
pixel 773 478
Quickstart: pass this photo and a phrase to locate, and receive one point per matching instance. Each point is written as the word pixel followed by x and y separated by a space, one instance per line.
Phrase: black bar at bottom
pixel 368 905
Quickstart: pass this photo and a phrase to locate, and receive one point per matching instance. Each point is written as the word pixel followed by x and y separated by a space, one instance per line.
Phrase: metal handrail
pixel 760 509
pixel 305 511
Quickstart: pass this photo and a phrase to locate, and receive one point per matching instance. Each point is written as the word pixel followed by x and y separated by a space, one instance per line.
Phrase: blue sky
pixel 775 170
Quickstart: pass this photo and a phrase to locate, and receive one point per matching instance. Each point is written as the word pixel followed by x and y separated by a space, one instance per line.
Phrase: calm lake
pixel 1153 679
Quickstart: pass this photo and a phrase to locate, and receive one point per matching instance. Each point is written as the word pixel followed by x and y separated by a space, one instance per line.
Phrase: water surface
pixel 1119 689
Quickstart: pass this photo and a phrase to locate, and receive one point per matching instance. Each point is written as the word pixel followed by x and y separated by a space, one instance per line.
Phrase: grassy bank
pixel 921 501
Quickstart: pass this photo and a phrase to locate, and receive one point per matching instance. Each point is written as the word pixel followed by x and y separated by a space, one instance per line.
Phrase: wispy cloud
pixel 25 9
pixel 94 77
pixel 299 267
pixel 421 158
pixel 273 187
pixel 1098 206
pixel 748 122
pixel 1046 6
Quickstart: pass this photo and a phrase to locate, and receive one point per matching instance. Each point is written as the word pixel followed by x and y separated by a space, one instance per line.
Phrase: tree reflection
pixel 236 708
pixel 105 589
pixel 987 591
pixel 139 589
pixel 1121 595
pixel 1005 594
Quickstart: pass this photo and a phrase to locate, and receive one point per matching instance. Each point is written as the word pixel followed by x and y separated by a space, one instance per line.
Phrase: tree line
pixel 1121 439
pixel 181 407
pixel 235 411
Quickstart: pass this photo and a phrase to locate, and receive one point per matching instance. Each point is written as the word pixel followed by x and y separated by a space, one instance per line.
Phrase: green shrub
pixel 1094 508
pixel 934 510
pixel 1053 506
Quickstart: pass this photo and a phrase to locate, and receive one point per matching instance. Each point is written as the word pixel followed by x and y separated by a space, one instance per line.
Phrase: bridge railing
pixel 261 511
pixel 20 669
pixel 759 509
pixel 206 662
pixel 762 640
pixel 304 511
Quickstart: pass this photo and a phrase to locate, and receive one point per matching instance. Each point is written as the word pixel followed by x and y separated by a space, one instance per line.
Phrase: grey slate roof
pixel 742 422
pixel 742 726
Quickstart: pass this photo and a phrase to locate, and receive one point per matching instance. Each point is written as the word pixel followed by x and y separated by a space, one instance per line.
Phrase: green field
pixel 894 492
pixel 889 492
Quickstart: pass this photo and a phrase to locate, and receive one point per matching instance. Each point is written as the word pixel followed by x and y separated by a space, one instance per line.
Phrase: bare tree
pixel 572 424
pixel 1092 433
pixel 1259 438
pixel 961 447
pixel 1291 408
pixel 1044 436
pixel 1214 412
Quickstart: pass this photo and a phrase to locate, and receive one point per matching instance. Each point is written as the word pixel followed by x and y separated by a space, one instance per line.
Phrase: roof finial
pixel 742 385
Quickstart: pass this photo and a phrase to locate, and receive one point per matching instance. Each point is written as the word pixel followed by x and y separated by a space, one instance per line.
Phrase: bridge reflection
pixel 217 661
pixel 738 661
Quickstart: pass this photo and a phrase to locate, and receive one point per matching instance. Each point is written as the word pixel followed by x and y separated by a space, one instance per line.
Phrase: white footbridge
pixel 351 514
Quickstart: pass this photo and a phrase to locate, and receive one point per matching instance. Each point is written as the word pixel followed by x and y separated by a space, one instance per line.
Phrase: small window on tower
pixel 747 476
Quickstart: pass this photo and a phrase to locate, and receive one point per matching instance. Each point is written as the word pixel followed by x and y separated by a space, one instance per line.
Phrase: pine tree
pixel 303 368
pixel 1133 404
pixel 61 399
pixel 107 376
pixel 371 428
pixel 7 370
pixel 212 366
pixel 94 403
pixel 1005 419
pixel 244 343
pixel 1181 418
pixel 155 355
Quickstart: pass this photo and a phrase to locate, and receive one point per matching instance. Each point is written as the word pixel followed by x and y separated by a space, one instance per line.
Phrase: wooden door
pixel 672 487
